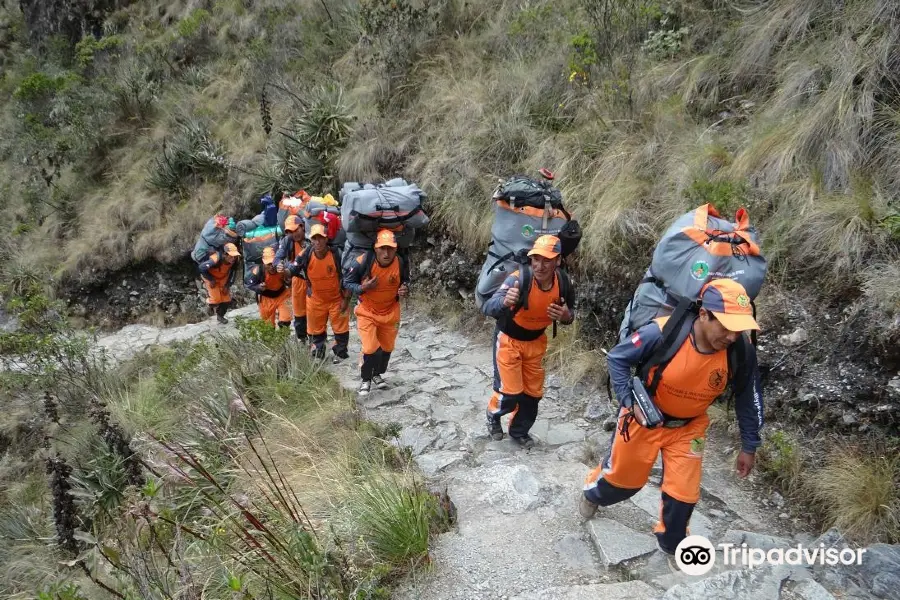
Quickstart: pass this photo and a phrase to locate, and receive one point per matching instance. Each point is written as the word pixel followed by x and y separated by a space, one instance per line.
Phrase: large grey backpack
pixel 524 210
pixel 698 247
pixel 366 208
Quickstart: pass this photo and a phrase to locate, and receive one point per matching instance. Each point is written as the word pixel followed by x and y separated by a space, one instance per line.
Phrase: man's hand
pixel 403 290
pixel 744 463
pixel 369 283
pixel 345 304
pixel 639 415
pixel 559 312
pixel 512 295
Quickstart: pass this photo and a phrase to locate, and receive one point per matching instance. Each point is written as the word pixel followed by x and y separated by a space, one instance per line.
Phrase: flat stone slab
pixel 577 554
pixel 629 590
pixel 418 352
pixel 808 589
pixel 617 543
pixel 449 413
pixel 746 584
pixel 564 433
pixel 377 398
pixel 433 463
pixel 755 540
pixel 416 439
pixel 475 358
pixel 420 402
pixel 442 354
pixel 433 385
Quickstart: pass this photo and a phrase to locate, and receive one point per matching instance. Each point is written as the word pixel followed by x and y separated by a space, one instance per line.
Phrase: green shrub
pixel 727 196
pixel 38 86
pixel 89 46
pixel 191 157
pixel 190 25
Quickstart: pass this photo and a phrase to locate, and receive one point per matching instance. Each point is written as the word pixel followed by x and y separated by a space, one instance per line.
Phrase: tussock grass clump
pixel 859 493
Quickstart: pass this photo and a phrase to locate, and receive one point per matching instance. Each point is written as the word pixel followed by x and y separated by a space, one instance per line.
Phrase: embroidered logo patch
pixel 717 379
pixel 697 446
pixel 743 301
pixel 636 340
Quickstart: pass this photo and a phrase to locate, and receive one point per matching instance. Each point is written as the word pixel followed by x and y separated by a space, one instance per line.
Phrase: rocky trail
pixel 519 535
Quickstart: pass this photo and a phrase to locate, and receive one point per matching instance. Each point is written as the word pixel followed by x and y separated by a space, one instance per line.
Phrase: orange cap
pixel 317 229
pixel 385 238
pixel 728 301
pixel 547 246
pixel 293 223
pixel 231 250
pixel 268 256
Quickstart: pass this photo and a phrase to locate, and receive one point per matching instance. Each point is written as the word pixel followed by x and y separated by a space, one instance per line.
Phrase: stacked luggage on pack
pixel 366 208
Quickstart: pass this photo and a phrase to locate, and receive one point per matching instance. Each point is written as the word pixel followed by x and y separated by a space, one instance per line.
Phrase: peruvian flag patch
pixel 636 340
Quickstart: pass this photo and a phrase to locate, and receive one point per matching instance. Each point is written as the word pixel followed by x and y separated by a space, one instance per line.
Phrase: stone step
pixel 629 590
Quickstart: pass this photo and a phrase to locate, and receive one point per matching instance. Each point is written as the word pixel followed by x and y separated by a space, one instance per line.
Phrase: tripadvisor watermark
pixel 696 555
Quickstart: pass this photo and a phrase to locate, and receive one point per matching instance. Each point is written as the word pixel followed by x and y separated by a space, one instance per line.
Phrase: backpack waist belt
pixel 673 423
pixel 516 332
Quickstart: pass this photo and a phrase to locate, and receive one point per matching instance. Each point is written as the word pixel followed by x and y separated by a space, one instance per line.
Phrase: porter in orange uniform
pixel 320 266
pixel 380 278
pixel 218 273
pixel 290 247
pixel 522 316
pixel 272 293
pixel 695 376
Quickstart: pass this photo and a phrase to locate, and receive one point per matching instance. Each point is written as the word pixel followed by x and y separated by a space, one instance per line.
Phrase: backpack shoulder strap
pixel 368 261
pixel 674 333
pixel 565 286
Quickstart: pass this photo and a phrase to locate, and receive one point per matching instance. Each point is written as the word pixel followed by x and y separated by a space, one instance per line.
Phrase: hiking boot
pixel 364 388
pixel 336 360
pixel 379 382
pixel 222 320
pixel 495 429
pixel 586 508
pixel 664 551
pixel 525 441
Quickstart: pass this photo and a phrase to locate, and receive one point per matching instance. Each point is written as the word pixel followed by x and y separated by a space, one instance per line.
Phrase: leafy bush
pixel 192 156
pixel 312 143
pixel 89 47
pixel 134 93
pixel 727 196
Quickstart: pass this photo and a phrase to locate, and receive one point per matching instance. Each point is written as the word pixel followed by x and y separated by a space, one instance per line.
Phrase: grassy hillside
pixel 229 467
pixel 116 150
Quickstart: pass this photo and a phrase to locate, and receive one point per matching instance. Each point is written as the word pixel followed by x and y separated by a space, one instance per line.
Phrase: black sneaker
pixel 379 382
pixel 222 320
pixel 525 441
pixel 495 429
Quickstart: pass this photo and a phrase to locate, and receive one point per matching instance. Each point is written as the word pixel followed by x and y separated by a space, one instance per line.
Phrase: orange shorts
pixel 377 330
pixel 318 313
pixel 278 308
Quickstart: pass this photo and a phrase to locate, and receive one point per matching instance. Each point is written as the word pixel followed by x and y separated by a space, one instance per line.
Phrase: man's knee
pixel 604 493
